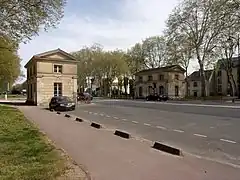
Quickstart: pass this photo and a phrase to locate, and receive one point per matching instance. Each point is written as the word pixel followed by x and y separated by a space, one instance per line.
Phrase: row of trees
pixel 197 31
pixel 19 22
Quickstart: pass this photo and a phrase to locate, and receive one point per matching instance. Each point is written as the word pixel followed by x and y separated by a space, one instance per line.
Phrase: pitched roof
pixel 195 76
pixel 165 68
pixel 47 53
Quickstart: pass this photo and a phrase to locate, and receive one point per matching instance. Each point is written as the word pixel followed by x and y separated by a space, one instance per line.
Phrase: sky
pixel 111 23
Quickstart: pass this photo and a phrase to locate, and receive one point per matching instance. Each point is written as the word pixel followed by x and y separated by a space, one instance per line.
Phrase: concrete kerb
pixel 58 112
pixel 122 134
pixel 96 125
pixel 167 149
pixel 67 115
pixel 78 119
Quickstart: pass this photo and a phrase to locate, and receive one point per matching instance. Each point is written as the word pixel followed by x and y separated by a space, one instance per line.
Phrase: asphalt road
pixel 207 130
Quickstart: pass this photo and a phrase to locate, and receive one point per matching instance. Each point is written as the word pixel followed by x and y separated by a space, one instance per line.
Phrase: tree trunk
pixel 234 85
pixel 186 93
pixel 203 82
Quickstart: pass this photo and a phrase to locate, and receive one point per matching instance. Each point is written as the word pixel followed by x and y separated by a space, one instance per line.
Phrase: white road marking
pixel 108 116
pixel 86 111
pixel 95 113
pixel 200 135
pixel 135 122
pixel 177 130
pixel 101 114
pixel 229 141
pixel 124 119
pixel 161 127
pixel 146 124
pixel 90 112
pixel 115 117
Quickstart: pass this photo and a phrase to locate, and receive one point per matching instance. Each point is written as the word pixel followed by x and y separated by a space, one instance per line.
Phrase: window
pixel 176 76
pixel 150 78
pixel 176 91
pixel 219 74
pixel 195 84
pixel 161 77
pixel 161 90
pixel 57 89
pixel 140 78
pixel 219 88
pixel 219 81
pixel 57 68
pixel 140 91
pixel 150 90
pixel 195 94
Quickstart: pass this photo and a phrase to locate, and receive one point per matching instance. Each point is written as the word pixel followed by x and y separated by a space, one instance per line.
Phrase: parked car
pixel 61 103
pixel 156 97
pixel 84 96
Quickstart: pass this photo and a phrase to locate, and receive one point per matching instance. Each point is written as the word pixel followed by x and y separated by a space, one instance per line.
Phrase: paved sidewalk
pixel 108 157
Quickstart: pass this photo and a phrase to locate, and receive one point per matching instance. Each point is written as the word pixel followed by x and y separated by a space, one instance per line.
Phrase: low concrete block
pixel 96 125
pixel 167 149
pixel 122 134
pixel 79 119
pixel 67 115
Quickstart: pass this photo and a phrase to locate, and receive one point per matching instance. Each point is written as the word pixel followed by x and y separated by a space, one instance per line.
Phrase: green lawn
pixel 25 153
pixel 13 96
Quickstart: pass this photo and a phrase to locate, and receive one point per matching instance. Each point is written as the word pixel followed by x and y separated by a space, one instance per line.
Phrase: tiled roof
pixel 195 76
pixel 165 68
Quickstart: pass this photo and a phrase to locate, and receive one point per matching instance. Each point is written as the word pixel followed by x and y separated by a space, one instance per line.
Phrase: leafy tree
pixel 135 59
pixel 22 19
pixel 9 61
pixel 179 51
pixel 154 51
pixel 202 21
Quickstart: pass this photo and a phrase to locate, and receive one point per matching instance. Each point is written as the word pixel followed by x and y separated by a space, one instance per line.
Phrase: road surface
pixel 208 130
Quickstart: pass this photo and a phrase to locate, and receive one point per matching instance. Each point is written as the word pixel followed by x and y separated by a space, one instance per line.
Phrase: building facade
pixel 217 80
pixel 52 73
pixel 169 80
pixel 195 85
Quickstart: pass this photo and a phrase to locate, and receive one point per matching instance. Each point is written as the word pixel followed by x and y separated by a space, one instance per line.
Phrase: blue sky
pixel 112 23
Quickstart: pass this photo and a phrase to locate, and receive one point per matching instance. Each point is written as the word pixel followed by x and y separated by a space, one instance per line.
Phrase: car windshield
pixel 64 98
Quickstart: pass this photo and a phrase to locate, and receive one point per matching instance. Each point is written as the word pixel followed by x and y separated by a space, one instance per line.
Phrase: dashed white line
pixel 229 141
pixel 124 119
pixel 95 113
pixel 161 127
pixel 101 114
pixel 108 116
pixel 90 112
pixel 86 111
pixel 177 130
pixel 115 117
pixel 135 122
pixel 200 135
pixel 146 124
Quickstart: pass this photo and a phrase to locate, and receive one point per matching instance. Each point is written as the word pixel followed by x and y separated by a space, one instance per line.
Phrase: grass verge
pixel 25 154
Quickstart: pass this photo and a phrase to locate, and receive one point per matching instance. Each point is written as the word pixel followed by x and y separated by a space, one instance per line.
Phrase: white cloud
pixel 139 19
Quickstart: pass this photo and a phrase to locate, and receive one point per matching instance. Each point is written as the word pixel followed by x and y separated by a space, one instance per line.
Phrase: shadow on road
pixel 18 103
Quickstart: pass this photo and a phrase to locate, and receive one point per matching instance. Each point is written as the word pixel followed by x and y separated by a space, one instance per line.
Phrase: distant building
pixel 169 80
pixel 52 73
pixel 217 81
pixel 195 85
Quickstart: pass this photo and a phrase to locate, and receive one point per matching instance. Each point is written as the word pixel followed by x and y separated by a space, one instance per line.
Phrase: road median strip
pixel 96 125
pixel 167 149
pixel 122 134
